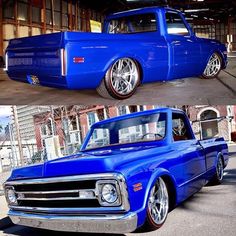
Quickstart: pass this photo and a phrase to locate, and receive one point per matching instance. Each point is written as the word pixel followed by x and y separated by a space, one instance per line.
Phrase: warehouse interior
pixel 214 19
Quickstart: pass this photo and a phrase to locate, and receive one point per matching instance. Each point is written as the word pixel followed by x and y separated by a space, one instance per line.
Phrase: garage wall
pixel 21 18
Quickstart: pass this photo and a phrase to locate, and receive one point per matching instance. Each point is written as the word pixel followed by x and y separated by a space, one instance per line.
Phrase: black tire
pixel 205 76
pixel 106 88
pixel 150 224
pixel 218 177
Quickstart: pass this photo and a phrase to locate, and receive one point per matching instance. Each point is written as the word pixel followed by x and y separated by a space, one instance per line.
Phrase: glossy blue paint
pixel 189 164
pixel 161 56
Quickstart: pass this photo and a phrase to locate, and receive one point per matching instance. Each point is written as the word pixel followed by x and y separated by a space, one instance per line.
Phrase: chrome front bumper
pixel 91 224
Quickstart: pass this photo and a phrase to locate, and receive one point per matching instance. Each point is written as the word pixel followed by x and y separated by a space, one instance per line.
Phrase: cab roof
pixel 136 114
pixel 140 11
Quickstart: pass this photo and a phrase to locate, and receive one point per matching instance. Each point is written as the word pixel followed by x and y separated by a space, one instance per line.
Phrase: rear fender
pixel 137 59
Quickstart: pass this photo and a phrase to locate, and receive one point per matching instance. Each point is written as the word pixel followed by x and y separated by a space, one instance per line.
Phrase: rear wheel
pixel 218 177
pixel 158 206
pixel 121 80
pixel 213 67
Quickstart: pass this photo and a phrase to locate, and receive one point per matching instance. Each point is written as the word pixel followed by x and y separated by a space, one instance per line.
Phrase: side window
pixel 175 24
pixel 180 129
pixel 133 24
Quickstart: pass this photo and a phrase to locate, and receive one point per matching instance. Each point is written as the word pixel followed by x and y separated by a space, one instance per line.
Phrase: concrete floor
pixel 191 91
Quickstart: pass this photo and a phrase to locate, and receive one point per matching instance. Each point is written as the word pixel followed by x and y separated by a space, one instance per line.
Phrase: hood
pixel 90 162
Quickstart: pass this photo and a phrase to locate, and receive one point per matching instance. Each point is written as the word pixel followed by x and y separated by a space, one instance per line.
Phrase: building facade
pixel 70 125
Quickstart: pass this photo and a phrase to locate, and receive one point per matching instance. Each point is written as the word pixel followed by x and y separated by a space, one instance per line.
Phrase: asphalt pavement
pixel 212 211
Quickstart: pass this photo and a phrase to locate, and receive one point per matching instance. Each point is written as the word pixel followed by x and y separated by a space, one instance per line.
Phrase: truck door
pixel 185 49
pixel 192 154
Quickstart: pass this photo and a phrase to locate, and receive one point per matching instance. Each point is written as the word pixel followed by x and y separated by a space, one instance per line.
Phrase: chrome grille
pixel 65 194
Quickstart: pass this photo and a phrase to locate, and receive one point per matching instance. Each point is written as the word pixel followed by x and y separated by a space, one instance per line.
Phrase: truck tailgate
pixel 36 57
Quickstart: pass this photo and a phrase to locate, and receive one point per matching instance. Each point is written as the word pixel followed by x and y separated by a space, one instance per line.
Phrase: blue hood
pixel 88 162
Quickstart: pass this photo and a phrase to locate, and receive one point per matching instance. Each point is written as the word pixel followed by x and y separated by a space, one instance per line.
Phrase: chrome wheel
pixel 220 169
pixel 158 203
pixel 213 66
pixel 124 76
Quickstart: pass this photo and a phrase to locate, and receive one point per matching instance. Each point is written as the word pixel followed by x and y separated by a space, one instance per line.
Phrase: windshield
pixel 133 24
pixel 132 130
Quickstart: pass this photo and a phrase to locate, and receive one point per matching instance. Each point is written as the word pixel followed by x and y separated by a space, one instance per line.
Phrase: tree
pixel 1 128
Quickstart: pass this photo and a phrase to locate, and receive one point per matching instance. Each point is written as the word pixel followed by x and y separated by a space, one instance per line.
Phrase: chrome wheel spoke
pixel 158 203
pixel 124 76
pixel 213 66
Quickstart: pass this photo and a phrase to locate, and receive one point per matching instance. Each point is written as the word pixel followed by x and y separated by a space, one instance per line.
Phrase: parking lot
pixel 212 211
pixel 220 91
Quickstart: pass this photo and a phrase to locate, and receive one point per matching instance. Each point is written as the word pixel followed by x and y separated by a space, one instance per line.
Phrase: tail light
pixel 6 62
pixel 63 62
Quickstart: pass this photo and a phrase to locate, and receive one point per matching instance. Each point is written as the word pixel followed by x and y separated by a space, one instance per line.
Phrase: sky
pixel 5 112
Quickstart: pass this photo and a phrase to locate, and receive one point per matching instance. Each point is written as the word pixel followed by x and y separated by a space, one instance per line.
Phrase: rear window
pixel 175 24
pixel 133 24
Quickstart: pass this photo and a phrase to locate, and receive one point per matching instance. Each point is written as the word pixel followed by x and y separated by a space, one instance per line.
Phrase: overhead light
pixel 197 10
pixel 194 16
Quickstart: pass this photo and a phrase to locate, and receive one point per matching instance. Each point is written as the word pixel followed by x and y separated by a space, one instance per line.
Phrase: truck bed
pixel 36 60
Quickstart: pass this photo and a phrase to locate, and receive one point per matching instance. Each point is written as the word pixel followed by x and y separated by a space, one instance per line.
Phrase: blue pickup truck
pixel 131 171
pixel 136 46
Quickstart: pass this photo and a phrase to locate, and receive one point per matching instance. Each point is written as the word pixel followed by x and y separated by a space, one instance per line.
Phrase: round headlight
pixel 11 196
pixel 109 193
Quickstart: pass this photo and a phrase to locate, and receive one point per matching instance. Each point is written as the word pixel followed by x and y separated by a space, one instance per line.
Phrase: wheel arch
pixel 222 58
pixel 171 184
pixel 136 59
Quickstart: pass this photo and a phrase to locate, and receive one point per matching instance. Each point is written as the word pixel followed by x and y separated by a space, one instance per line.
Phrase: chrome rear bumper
pixel 92 223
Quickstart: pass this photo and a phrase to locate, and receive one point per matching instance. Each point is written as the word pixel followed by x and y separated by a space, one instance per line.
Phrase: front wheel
pixel 213 67
pixel 158 206
pixel 121 80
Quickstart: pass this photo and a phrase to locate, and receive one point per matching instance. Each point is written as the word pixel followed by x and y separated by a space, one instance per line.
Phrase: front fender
pixel 158 173
pixel 152 180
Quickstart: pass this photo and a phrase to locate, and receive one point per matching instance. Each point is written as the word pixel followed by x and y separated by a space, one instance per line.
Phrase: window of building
pixel 122 110
pixel 91 118
pixel 8 9
pixel 175 24
pixel 48 17
pixel 36 14
pixel 65 14
pixel 57 19
pixel 74 123
pixel 23 10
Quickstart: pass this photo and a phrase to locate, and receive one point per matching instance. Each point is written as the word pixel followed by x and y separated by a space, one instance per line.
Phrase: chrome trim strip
pixel 53 192
pixel 52 199
pixel 63 61
pixel 6 62
pixel 74 210
pixel 38 198
pixel 124 223
pixel 64 179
